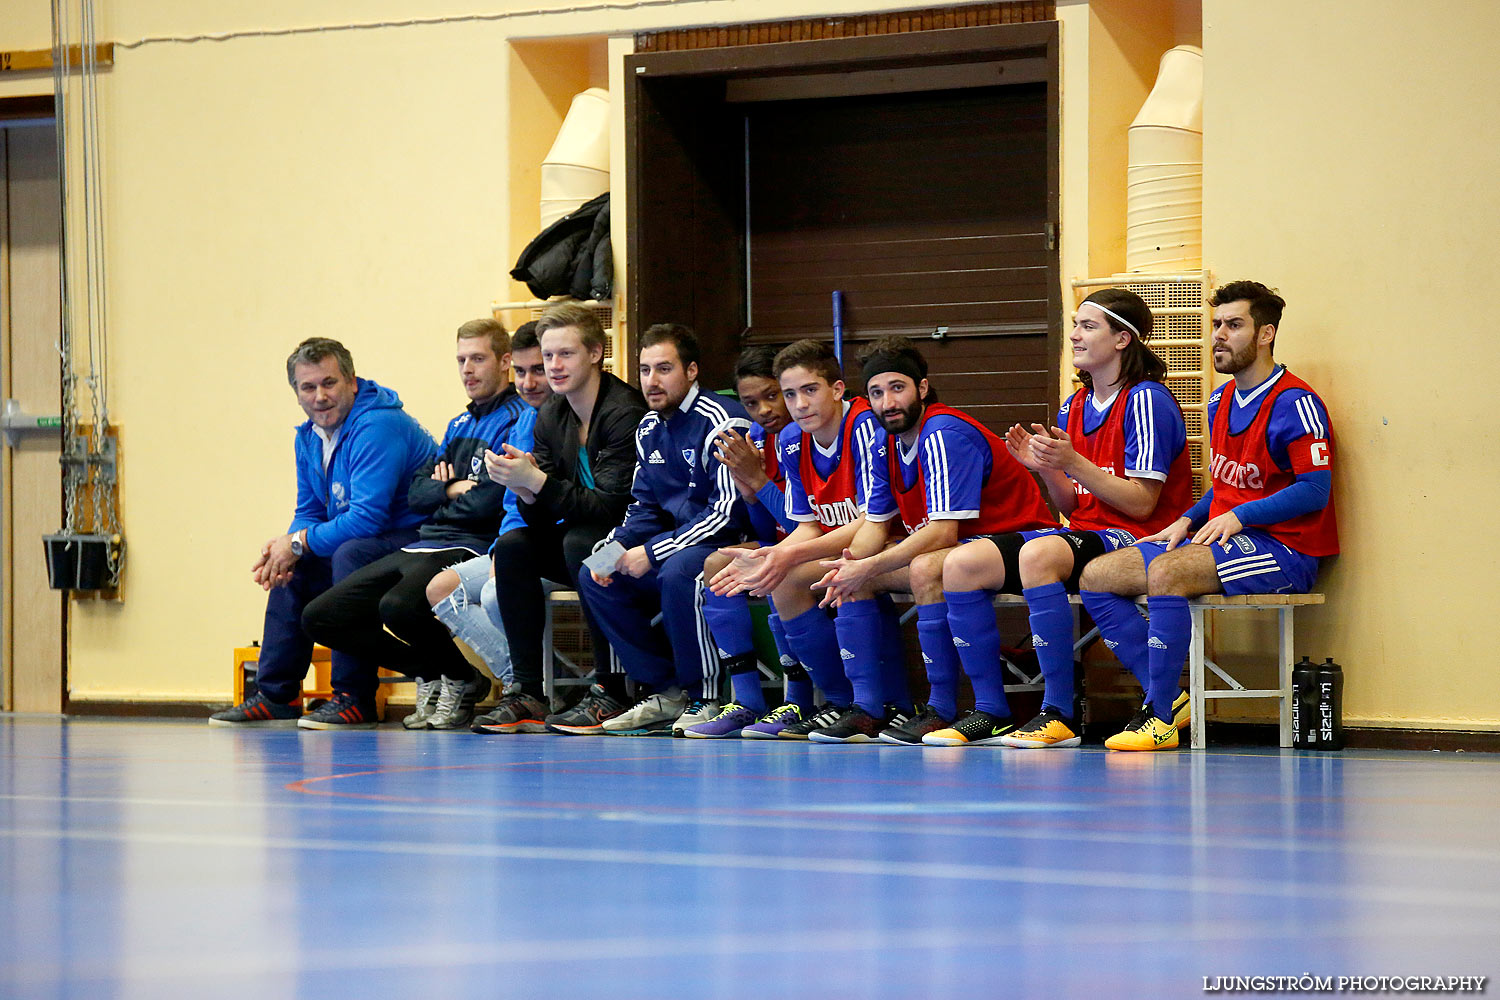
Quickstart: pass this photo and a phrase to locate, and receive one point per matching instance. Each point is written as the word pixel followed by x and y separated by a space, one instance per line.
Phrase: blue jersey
pixel 1154 430
pixel 1296 413
pixel 957 467
pixel 769 521
pixel 681 494
pixel 867 450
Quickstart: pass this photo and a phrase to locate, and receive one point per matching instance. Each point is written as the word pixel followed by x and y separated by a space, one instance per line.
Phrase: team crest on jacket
pixel 689 454
pixel 338 492
pixel 475 464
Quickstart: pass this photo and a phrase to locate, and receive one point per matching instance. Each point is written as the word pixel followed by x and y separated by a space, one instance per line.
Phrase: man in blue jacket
pixel 355 454
pixel 381 613
pixel 684 507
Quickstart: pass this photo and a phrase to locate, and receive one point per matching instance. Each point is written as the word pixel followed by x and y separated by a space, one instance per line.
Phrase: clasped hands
pixel 759 571
pixel 516 470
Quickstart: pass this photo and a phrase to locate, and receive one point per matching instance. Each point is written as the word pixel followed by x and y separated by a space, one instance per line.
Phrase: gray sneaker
pixel 654 713
pixel 427 696
pixel 517 712
pixel 456 701
pixel 698 712
pixel 587 717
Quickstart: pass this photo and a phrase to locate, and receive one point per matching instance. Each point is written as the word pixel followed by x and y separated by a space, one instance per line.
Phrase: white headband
pixel 1116 316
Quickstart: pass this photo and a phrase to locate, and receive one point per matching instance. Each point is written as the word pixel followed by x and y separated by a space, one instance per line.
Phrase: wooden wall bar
pixel 809 29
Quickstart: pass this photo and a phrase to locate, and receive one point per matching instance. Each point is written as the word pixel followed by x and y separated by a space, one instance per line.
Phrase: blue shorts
pixel 1252 562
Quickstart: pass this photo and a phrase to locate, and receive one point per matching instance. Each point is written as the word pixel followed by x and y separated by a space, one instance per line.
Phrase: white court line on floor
pixel 1218 842
pixel 1414 895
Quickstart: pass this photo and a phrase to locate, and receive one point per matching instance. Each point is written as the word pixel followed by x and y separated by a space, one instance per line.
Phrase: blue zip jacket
pixel 681 495
pixel 470 520
pixel 363 492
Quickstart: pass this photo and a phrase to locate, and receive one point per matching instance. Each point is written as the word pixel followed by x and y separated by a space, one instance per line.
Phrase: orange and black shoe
pixel 259 712
pixel 342 711
pixel 1049 729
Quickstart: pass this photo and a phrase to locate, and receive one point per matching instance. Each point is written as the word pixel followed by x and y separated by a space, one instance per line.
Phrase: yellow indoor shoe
pixel 1145 732
pixel 1047 730
pixel 1182 711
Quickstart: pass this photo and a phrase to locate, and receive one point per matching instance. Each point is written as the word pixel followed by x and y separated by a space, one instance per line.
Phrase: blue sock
pixel 1124 630
pixel 1171 629
pixel 1052 637
pixel 894 687
pixel 971 620
pixel 859 634
pixel 729 620
pixel 745 683
pixel 816 645
pixel 941 658
pixel 799 689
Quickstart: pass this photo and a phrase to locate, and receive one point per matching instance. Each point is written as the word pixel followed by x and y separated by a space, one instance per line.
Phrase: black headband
pixel 882 362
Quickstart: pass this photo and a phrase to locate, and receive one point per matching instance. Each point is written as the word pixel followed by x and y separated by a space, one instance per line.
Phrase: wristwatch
pixel 297 547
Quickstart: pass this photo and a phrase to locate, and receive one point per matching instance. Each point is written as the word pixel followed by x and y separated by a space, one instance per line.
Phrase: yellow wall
pixel 356 183
pixel 352 183
pixel 1350 159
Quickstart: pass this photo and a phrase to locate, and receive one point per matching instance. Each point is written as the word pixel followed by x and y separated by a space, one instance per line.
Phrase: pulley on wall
pixel 88 553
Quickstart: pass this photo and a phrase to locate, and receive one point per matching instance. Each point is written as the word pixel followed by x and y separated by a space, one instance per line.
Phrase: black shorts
pixel 1087 546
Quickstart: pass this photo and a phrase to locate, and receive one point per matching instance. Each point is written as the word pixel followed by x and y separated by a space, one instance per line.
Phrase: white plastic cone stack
pixel 576 168
pixel 1164 188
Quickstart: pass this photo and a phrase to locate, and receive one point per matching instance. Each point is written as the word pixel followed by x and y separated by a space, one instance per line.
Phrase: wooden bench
pixel 1285 605
pixel 1199 662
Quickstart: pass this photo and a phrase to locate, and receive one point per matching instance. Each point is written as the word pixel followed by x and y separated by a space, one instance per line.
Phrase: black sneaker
pixel 342 711
pixel 979 729
pixel 821 718
pixel 258 712
pixel 855 726
pixel 910 732
pixel 516 712
pixel 587 717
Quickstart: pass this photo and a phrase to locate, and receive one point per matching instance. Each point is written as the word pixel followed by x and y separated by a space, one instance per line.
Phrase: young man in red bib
pixel 826 456
pixel 944 477
pixel 1262 527
pixel 1116 465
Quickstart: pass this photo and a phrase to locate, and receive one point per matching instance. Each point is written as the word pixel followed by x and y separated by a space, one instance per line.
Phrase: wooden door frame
pixel 39 696
pixel 912 49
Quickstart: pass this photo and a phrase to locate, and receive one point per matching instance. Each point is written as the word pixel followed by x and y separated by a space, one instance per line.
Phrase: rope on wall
pixel 415 22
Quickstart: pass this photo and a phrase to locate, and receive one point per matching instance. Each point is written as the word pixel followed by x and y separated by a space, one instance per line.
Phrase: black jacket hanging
pixel 551 263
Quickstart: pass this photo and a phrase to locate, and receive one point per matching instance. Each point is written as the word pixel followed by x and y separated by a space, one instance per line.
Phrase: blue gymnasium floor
pixel 168 859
